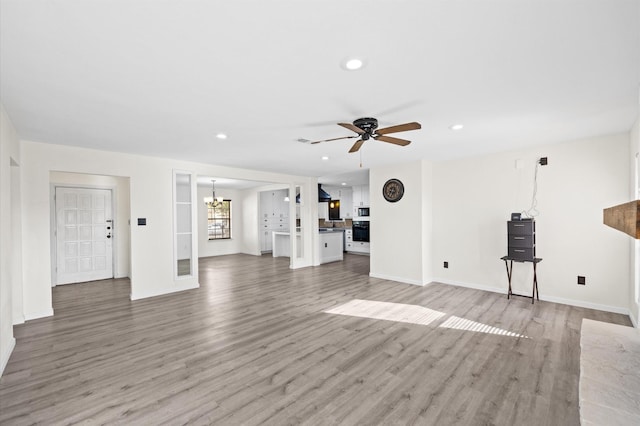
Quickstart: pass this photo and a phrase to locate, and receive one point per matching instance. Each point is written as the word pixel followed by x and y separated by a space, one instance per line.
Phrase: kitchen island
pixel 281 246
pixel 330 245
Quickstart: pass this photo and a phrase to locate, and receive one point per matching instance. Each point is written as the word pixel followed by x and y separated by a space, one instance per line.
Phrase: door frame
pixel 53 224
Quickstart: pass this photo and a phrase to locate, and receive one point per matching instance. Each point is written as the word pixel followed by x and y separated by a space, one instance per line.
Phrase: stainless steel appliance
pixel 363 211
pixel 360 230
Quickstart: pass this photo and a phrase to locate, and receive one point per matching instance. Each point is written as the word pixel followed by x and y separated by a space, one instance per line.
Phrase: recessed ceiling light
pixel 344 183
pixel 221 136
pixel 456 127
pixel 352 64
pixel 325 158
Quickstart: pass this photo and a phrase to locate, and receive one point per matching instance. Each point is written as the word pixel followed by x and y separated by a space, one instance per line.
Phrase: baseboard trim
pixel 397 279
pixel 589 305
pixel 138 296
pixel 634 320
pixel 561 300
pixel 36 315
pixel 7 353
pixel 469 285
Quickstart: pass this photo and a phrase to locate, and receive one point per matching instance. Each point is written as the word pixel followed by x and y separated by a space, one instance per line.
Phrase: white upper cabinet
pixel 342 193
pixel 274 215
pixel 346 203
pixel 272 204
pixel 323 210
pixel 360 196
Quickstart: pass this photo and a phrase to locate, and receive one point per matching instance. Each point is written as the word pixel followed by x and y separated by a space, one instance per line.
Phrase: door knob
pixel 109 236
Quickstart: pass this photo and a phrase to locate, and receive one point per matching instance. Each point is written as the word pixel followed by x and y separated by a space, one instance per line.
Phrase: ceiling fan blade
pixel 334 139
pixel 390 139
pixel 399 128
pixel 351 127
pixel 356 146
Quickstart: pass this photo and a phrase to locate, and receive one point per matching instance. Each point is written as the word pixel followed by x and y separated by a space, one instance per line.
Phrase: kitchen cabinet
pixel 344 194
pixel 330 246
pixel 323 211
pixel 355 246
pixel 346 203
pixel 358 247
pixel 274 216
pixel 360 198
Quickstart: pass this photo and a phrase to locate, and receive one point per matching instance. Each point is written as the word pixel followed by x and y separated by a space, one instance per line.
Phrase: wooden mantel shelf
pixel 625 218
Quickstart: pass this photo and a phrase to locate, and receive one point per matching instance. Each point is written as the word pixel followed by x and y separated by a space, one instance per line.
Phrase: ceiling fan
pixel 367 128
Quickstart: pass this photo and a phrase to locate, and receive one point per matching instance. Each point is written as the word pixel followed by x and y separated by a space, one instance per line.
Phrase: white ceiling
pixel 162 78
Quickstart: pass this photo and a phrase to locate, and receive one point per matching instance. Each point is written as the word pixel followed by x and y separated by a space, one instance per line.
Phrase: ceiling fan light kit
pixel 367 128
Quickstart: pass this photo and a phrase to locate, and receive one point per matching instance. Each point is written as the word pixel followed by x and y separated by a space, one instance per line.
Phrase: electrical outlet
pixel 582 280
pixel 543 161
pixel 446 264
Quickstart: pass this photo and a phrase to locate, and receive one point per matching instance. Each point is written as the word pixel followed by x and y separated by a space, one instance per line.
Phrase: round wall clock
pixel 393 190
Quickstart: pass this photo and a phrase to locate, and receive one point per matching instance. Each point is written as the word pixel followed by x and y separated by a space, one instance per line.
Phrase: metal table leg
pixel 535 283
pixel 509 271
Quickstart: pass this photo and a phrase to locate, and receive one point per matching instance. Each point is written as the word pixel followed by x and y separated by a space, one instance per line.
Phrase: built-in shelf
pixel 624 217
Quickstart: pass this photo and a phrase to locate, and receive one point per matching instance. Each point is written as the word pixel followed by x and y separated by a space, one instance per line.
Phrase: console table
pixel 508 263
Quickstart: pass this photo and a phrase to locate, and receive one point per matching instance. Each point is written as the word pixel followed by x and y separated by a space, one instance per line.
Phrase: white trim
pixel 193 189
pixel 471 285
pixel 5 356
pixel 561 300
pixel 588 305
pixel 138 296
pixel 397 279
pixel 300 265
pixel 35 315
pixel 18 321
pixel 633 319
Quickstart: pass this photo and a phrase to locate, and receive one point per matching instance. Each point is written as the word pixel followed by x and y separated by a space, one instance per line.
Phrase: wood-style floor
pixel 253 345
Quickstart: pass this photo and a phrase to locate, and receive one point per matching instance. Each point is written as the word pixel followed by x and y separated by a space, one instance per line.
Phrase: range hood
pixel 323 196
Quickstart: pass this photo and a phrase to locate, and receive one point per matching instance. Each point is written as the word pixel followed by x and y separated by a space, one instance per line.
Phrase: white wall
pixel 10 278
pixel 398 230
pixel 249 211
pixel 121 225
pixel 473 199
pixel 220 247
pixel 151 197
pixel 427 222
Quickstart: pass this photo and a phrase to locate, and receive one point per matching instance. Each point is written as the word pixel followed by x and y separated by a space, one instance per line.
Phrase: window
pixel 219 220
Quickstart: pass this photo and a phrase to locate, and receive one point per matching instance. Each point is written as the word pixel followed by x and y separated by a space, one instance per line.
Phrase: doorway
pixel 83 234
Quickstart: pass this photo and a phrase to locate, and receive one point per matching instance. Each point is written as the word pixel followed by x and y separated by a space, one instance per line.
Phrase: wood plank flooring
pixel 254 345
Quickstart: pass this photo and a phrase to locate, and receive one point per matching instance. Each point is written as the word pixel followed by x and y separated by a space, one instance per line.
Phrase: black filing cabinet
pixel 521 236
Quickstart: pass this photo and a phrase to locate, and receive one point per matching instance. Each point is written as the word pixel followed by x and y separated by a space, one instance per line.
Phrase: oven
pixel 360 229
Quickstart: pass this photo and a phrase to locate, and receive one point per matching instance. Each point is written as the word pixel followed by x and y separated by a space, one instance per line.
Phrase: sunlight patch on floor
pixel 413 314
pixel 458 323
pixel 399 312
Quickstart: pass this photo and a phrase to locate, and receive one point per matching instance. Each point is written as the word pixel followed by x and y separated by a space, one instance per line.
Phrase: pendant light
pixel 215 199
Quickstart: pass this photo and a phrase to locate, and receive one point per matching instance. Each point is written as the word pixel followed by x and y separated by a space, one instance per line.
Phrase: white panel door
pixel 84 235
